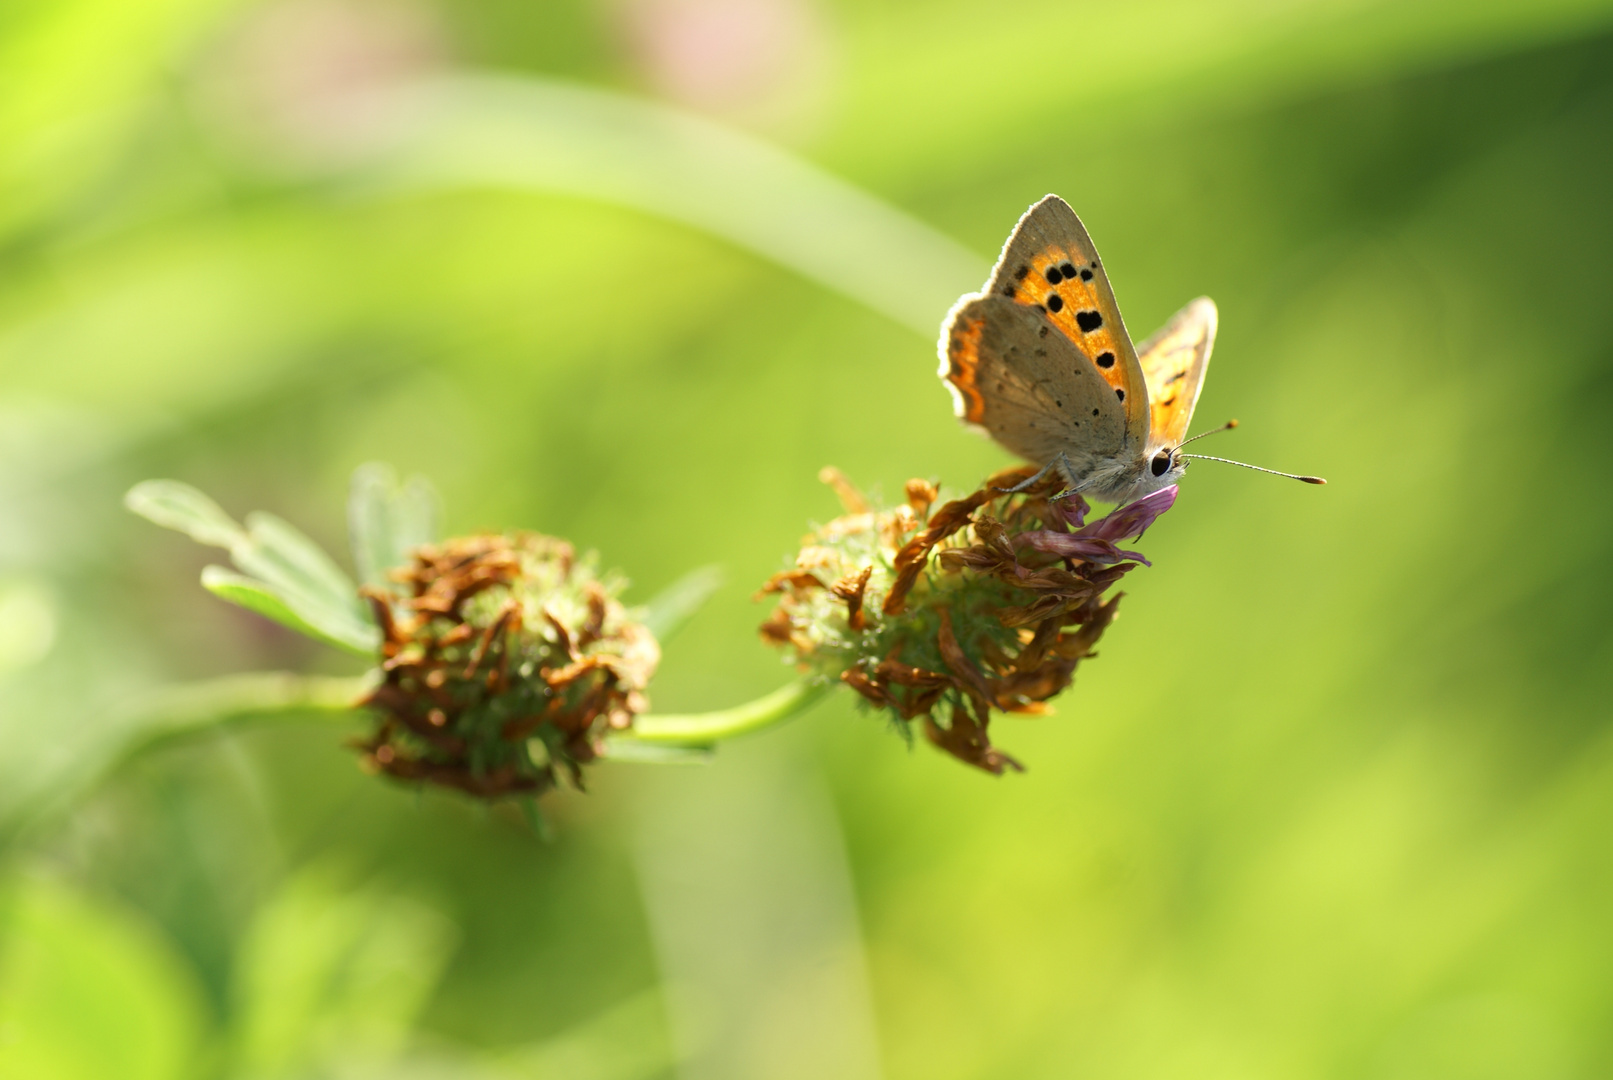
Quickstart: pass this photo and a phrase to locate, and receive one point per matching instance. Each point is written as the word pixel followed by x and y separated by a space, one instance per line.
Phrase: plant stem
pixel 700 729
pixel 175 714
pixel 183 712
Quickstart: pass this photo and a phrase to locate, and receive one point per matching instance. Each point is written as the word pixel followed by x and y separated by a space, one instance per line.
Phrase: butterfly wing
pixel 1015 375
pixel 1173 362
pixel 1049 264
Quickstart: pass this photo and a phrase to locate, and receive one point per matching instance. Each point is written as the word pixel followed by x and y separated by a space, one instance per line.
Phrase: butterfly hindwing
pixel 1014 374
pixel 1174 361
pixel 1050 264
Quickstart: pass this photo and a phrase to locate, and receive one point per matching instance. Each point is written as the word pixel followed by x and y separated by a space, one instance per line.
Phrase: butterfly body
pixel 1041 361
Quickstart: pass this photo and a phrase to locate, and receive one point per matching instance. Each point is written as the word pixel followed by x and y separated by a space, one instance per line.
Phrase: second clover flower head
pixel 943 616
pixel 506 659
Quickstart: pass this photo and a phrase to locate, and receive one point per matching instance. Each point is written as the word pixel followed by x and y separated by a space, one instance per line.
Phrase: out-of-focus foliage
pixel 1334 800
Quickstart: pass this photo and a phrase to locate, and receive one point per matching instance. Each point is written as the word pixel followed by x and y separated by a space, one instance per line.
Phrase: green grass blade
pixel 676 604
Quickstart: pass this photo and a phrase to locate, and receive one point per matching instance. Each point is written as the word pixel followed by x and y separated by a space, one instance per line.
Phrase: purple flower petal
pixel 1074 546
pixel 1133 519
pixel 1071 510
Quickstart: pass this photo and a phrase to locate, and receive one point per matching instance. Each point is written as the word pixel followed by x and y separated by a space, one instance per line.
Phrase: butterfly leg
pixel 1023 484
pixel 1066 470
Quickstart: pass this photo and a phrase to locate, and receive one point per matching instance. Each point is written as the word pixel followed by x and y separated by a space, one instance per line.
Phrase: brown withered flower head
pixel 506 659
pixel 942 615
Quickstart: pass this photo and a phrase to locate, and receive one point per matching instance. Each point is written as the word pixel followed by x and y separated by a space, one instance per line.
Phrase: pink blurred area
pixel 302 80
pixel 764 63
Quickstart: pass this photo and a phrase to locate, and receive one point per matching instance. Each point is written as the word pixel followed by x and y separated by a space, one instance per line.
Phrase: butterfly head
pixel 1166 465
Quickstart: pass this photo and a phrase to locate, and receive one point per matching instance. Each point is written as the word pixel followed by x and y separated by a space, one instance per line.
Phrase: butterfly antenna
pixel 1257 468
pixel 1228 426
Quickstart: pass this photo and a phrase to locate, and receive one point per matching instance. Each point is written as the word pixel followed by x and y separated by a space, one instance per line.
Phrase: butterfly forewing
pixel 1016 376
pixel 1174 361
pixel 1050 264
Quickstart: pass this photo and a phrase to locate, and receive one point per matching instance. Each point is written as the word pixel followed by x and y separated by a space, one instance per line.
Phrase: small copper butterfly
pixel 1040 360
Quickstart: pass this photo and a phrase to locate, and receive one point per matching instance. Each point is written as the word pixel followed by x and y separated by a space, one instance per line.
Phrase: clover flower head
pixel 505 661
pixel 944 615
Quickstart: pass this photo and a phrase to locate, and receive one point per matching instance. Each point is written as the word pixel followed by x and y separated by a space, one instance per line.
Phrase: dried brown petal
pixel 776 629
pixel 865 686
pixel 850 497
pixel 788 579
pixel 966 740
pixel 851 589
pixel 892 670
pixel 962 668
pixel 921 496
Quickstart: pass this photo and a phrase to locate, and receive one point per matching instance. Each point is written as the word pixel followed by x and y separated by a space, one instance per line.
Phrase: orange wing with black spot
pixel 1051 264
pixel 1174 361
pixel 1013 375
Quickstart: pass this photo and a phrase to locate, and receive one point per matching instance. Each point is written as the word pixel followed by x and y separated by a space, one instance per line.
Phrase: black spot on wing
pixel 1086 275
pixel 1088 321
pixel 1010 292
pixel 1106 359
pixel 1053 275
pixel 1055 302
pixel 1019 275
pixel 1121 394
pixel 1067 270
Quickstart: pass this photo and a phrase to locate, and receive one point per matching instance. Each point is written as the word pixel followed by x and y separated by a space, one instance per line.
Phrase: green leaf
pixel 369 525
pixel 326 973
pixel 674 605
pixel 88 992
pixel 307 580
pixel 256 596
pixel 282 555
pixel 292 580
pixel 387 522
pixel 174 505
pixel 416 515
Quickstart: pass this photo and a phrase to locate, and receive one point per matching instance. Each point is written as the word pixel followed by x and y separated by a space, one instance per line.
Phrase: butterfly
pixel 1040 360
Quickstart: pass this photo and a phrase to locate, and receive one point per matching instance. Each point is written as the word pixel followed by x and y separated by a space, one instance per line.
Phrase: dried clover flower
pixel 988 603
pixel 505 660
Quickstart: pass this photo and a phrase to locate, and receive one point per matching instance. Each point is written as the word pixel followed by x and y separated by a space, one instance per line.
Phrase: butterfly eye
pixel 1161 463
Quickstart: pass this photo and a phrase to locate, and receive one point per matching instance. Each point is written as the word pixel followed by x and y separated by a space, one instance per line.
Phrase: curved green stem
pixel 172 715
pixel 182 712
pixel 702 729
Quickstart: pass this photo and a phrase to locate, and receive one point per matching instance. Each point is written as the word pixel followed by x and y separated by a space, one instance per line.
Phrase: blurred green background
pixel 1335 801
